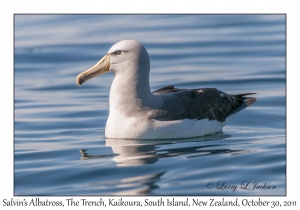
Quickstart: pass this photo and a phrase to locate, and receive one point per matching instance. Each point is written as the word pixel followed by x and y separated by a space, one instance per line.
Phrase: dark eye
pixel 118 52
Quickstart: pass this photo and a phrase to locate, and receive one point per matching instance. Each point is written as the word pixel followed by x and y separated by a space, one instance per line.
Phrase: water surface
pixel 60 146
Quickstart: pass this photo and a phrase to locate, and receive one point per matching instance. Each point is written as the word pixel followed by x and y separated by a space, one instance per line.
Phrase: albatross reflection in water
pixel 137 152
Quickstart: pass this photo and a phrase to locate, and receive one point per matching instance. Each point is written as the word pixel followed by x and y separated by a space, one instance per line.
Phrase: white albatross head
pixel 128 57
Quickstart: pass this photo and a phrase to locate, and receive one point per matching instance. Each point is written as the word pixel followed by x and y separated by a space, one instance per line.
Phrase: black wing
pixel 200 104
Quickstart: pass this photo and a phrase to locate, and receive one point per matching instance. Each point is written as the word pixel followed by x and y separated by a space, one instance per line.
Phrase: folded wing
pixel 203 103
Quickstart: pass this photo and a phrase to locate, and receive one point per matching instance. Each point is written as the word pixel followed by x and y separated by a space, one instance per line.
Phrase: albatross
pixel 167 113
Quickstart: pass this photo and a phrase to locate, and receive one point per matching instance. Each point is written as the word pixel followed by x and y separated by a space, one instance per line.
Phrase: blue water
pixel 60 146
